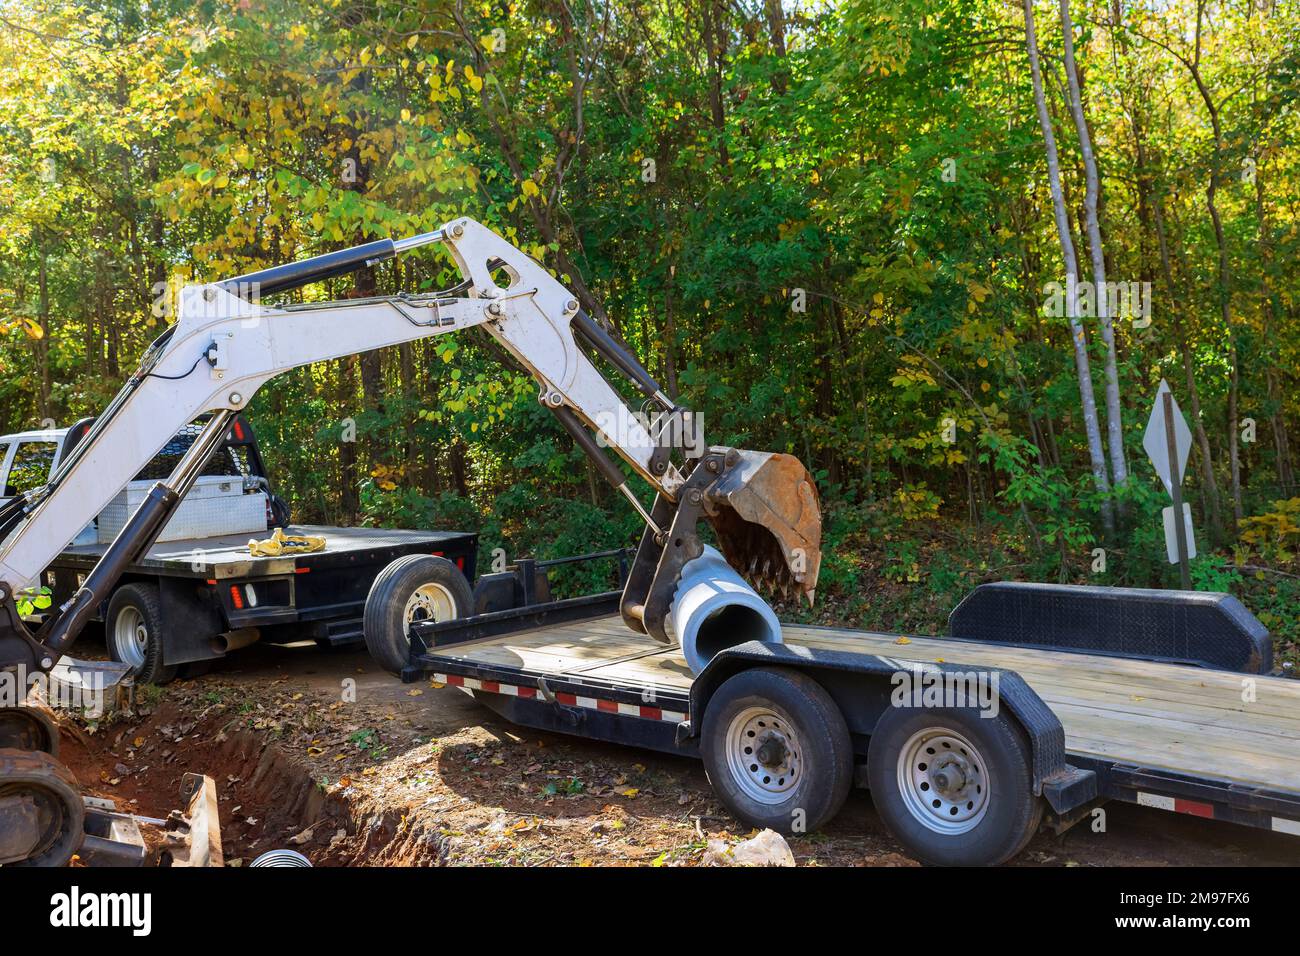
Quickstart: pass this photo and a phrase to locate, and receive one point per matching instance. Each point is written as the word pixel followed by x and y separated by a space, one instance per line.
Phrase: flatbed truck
pixel 189 601
pixel 1155 698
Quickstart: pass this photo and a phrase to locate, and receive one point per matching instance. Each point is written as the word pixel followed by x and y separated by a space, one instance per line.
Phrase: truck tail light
pixel 236 598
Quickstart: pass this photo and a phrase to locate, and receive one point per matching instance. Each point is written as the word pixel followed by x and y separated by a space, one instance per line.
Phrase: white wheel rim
pixel 764 756
pixel 944 781
pixel 131 637
pixel 429 602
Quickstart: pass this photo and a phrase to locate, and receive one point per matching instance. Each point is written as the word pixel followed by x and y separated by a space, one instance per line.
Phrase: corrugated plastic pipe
pixel 714 608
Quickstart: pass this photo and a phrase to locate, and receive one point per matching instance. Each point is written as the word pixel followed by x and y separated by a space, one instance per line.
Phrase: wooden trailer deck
pixel 1187 720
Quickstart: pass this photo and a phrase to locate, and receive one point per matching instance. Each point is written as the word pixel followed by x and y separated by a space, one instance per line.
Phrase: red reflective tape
pixel 608 706
pixel 454 681
pixel 654 713
pixel 491 686
pixel 1194 808
pixel 527 692
pixel 569 699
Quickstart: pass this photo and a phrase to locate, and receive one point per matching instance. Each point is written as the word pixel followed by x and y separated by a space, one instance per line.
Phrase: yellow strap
pixel 281 543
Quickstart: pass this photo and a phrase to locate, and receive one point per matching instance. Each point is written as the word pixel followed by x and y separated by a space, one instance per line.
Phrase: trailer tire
pixel 414 587
pixel 133 630
pixel 955 788
pixel 776 750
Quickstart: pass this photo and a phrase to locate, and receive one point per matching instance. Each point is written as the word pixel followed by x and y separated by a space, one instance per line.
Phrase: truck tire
pixel 776 750
pixel 133 631
pixel 417 587
pixel 954 787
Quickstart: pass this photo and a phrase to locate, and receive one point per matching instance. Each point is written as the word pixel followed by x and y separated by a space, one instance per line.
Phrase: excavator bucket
pixel 768 521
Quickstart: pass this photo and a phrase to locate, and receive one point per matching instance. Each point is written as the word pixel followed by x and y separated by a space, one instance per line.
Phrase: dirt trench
pixel 268 798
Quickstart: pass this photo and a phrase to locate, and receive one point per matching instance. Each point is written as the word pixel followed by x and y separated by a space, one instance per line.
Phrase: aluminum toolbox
pixel 216 505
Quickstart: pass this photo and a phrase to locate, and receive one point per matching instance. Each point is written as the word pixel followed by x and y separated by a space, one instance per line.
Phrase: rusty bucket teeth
pixel 767 517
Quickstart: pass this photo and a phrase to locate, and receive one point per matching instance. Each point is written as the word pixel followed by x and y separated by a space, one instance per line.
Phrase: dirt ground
pixel 323 752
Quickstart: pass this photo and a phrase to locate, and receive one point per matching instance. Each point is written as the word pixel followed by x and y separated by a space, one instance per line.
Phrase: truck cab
pixel 28 458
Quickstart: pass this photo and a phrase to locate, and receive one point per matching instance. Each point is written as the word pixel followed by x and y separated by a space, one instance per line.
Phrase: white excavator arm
pixel 225 347
pixel 226 344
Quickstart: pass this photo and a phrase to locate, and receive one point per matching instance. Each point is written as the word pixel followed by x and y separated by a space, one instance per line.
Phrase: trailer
pixel 1155 698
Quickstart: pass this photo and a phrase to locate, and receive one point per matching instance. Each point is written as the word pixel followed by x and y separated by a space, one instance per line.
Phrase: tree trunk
pixel 1209 485
pixel 1114 419
pixel 1281 440
pixel 1078 340
pixel 1224 283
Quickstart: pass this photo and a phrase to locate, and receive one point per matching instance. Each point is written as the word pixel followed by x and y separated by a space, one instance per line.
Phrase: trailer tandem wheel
pixel 416 587
pixel 776 750
pixel 954 787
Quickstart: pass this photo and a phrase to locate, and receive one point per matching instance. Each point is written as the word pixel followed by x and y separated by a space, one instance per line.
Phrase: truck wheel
pixel 776 750
pixel 953 787
pixel 133 628
pixel 418 587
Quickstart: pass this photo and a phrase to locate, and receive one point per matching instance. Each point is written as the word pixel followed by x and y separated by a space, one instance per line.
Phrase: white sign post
pixel 1168 443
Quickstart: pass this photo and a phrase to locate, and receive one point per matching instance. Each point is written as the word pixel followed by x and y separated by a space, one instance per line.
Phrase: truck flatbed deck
pixel 210 596
pixel 227 556
pixel 1211 743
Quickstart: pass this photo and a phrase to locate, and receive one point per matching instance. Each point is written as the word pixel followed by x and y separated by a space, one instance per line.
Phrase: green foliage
pixel 828 231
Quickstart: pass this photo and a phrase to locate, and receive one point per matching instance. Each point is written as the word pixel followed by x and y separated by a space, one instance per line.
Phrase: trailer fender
pixel 862 686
